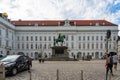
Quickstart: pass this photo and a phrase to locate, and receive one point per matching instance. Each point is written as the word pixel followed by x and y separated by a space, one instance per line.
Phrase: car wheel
pixel 14 71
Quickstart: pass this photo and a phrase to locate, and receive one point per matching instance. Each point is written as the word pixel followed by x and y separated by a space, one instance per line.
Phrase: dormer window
pixel 67 23
pixel 97 24
pixel 74 23
pixel 43 24
pixel 103 23
pixel 90 24
pixel 29 24
pixel 36 24
pixel 58 23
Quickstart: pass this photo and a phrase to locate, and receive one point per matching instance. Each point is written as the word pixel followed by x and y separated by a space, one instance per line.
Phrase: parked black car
pixel 15 63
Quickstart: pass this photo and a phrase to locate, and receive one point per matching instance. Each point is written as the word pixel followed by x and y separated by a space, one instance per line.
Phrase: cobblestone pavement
pixel 68 70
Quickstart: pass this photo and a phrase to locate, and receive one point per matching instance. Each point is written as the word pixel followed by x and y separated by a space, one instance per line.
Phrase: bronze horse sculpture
pixel 59 39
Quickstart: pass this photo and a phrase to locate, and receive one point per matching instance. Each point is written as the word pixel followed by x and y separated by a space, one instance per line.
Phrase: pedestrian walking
pixel 115 60
pixel 109 64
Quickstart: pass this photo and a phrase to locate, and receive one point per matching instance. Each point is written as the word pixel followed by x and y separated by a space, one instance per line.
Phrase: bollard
pixel 57 74
pixel 2 72
pixel 81 74
pixel 30 74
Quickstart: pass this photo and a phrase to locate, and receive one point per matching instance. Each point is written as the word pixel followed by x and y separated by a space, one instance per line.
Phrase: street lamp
pixel 108 35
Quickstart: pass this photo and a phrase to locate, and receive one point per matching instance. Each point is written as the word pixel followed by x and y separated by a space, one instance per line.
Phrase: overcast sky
pixel 62 9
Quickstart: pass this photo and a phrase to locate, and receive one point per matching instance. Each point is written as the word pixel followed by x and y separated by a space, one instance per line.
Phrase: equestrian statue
pixel 59 39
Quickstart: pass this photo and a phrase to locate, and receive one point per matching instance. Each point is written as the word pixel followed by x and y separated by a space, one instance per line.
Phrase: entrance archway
pixel 96 55
pixel 36 55
pixel 79 55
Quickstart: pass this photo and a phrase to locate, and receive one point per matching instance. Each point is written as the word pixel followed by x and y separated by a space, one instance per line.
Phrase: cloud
pixel 61 9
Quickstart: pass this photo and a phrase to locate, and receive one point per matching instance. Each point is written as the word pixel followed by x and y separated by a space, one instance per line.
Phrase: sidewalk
pixel 118 72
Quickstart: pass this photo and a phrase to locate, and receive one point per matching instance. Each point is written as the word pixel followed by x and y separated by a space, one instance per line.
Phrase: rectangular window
pixel 88 38
pixel 79 46
pixel 18 38
pixel 83 45
pixel 88 46
pixel 49 38
pixel 40 46
pixel 79 38
pixel 40 38
pixel 18 46
pixel 27 46
pixel 92 45
pixel 27 38
pixel 66 44
pixel 31 54
pixel 31 46
pixel 35 38
pixel 31 38
pixel 36 46
pixel 101 38
pixel 72 45
pixel 0 31
pixel 96 37
pixel 83 37
pixel 22 38
pixel 101 46
pixel 114 38
pixel 67 38
pixel 92 37
pixel 45 38
pixel 72 38
pixel 7 33
pixel 22 45
pixel 96 45
pixel 0 42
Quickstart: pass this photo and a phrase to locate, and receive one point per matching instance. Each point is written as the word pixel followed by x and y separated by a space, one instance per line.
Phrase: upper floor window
pixel 49 38
pixel 18 38
pixel 36 46
pixel 31 38
pixel 27 38
pixel 40 38
pixel 35 38
pixel 7 33
pixel 66 44
pixel 72 38
pixel 96 37
pixel 88 38
pixel 101 46
pixel 92 45
pixel 83 45
pixel 92 37
pixel 45 46
pixel 40 46
pixel 83 37
pixel 22 45
pixel 31 46
pixel 27 46
pixel 72 45
pixel 67 38
pixel 18 46
pixel 22 38
pixel 114 38
pixel 0 31
pixel 45 38
pixel 0 42
pixel 79 46
pixel 101 37
pixel 79 38
pixel 88 46
pixel 96 45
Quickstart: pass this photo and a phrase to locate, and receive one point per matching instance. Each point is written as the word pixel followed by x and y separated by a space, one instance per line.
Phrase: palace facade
pixel 31 37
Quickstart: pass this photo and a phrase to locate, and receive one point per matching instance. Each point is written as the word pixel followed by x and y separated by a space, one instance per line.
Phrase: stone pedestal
pixel 59 53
